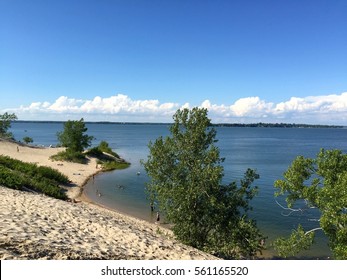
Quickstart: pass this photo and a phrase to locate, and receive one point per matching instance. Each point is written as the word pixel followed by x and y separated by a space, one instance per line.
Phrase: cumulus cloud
pixel 324 104
pixel 251 106
pixel 98 107
pixel 311 109
pixel 64 104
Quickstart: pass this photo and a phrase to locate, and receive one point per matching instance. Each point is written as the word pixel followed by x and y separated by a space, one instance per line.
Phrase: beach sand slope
pixel 34 226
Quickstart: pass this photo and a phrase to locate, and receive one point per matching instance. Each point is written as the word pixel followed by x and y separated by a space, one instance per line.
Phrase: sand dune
pixel 34 226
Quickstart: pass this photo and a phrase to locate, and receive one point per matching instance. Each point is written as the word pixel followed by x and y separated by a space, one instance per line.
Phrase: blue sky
pixel 130 60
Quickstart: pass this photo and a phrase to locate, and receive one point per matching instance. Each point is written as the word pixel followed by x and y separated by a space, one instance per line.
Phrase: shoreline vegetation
pixel 48 177
pixel 260 124
pixel 36 226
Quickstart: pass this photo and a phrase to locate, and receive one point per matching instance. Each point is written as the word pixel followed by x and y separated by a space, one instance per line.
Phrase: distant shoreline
pixel 253 125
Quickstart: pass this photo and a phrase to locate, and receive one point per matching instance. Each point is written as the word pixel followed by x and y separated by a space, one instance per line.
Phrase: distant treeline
pixel 260 124
pixel 282 125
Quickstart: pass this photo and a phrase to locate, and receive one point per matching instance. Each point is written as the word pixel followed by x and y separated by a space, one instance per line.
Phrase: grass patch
pixel 108 159
pixel 95 152
pixel 105 148
pixel 70 156
pixel 113 165
pixel 19 175
pixel 100 150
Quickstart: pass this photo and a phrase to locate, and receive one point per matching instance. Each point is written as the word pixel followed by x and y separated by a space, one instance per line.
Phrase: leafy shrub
pixel 107 158
pixel 18 175
pixel 104 147
pixel 70 156
pixel 33 170
pixel 95 152
pixel 28 140
pixel 9 179
pixel 52 174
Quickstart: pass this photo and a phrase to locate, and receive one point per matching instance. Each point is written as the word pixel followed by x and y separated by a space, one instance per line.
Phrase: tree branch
pixel 312 230
pixel 289 209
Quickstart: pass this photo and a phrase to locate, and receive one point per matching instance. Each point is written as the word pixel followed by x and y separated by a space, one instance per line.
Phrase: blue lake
pixel 268 150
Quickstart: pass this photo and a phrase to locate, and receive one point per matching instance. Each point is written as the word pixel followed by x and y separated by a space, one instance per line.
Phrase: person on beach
pixel 158 217
pixel 17 149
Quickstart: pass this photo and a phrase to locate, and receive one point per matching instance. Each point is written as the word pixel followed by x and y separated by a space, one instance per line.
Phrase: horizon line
pixel 257 124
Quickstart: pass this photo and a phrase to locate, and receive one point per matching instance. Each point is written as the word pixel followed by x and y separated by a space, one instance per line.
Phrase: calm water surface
pixel 268 150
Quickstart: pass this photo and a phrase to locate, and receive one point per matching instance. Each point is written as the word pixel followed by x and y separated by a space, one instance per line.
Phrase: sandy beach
pixel 34 226
pixel 77 173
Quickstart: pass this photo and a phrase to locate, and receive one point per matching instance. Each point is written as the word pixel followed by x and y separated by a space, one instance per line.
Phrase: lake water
pixel 268 150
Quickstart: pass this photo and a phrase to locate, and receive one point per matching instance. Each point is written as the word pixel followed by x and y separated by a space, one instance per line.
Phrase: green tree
pixel 5 124
pixel 186 180
pixel 73 137
pixel 321 183
pixel 27 140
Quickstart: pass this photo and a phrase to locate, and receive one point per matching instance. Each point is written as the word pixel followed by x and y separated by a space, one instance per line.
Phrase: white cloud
pixel 311 109
pixel 110 108
pixel 251 106
pixel 123 104
pixel 324 104
pixel 185 106
pixel 64 104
